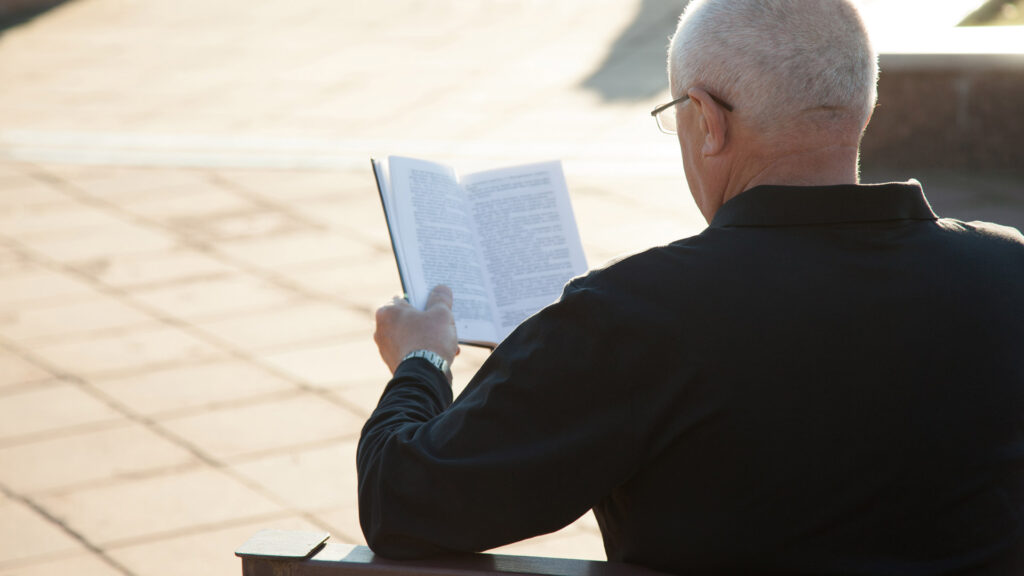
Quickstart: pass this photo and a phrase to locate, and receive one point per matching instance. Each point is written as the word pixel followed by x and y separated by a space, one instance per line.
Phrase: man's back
pixel 850 400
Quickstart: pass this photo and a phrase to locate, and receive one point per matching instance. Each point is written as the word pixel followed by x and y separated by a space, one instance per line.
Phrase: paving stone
pixel 25 535
pixel 289 186
pixel 11 174
pixel 37 284
pixel 289 422
pixel 128 352
pixel 289 327
pixel 315 478
pixel 183 205
pixel 14 260
pixel 241 224
pixel 98 243
pixel 213 297
pixel 293 249
pixel 201 552
pixel 121 513
pixel 358 214
pixel 80 318
pixel 362 396
pixel 87 458
pixel 79 564
pixel 120 183
pixel 50 408
pixel 65 218
pixel 367 282
pixel 16 370
pixel 191 386
pixel 153 269
pixel 344 524
pixel 613 227
pixel 20 191
pixel 332 365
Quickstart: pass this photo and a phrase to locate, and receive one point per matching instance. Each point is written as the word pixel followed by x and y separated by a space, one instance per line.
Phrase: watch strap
pixel 430 356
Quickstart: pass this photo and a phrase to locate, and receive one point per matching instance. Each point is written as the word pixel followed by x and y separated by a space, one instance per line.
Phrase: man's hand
pixel 402 329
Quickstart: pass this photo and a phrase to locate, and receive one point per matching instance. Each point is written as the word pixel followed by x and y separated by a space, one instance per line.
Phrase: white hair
pixel 776 59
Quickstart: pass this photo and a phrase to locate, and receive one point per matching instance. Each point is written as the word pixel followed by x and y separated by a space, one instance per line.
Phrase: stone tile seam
pixel 69 188
pixel 116 544
pixel 325 442
pixel 204 458
pixel 193 320
pixel 204 336
pixel 62 432
pixel 260 200
pixel 212 339
pixel 156 426
pixel 61 300
pixel 221 405
pixel 71 532
pixel 223 152
pixel 121 478
pixel 84 334
pixel 158 417
pixel 114 404
pixel 165 284
pixel 345 336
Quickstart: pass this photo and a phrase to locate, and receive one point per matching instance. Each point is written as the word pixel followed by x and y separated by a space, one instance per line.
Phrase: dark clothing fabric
pixel 825 381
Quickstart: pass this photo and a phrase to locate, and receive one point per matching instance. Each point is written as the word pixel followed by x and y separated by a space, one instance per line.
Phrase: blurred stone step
pixel 953 100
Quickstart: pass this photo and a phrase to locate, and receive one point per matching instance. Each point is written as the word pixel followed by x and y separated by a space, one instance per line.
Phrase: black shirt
pixel 826 381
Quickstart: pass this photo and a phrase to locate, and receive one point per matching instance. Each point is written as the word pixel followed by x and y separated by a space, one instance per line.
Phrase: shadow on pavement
pixel 16 12
pixel 634 68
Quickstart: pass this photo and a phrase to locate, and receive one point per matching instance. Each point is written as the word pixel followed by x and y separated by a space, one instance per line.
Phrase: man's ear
pixel 713 121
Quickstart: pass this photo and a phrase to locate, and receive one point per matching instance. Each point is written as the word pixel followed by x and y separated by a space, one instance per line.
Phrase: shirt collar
pixel 810 205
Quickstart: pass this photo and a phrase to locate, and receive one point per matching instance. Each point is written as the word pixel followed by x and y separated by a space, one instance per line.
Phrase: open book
pixel 504 240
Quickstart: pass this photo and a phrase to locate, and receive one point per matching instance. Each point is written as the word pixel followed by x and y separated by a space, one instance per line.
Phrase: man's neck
pixel 818 167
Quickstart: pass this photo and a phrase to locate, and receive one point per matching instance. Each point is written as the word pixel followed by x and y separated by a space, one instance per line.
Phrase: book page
pixel 439 245
pixel 528 236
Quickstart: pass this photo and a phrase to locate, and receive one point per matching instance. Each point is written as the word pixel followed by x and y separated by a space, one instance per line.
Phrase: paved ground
pixel 191 245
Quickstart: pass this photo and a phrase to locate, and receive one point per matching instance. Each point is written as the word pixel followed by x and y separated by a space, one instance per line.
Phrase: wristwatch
pixel 432 357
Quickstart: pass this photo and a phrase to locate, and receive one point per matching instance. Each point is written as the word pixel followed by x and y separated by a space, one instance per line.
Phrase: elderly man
pixel 829 379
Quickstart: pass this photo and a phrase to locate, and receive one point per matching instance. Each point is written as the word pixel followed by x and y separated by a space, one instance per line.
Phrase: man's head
pixel 800 76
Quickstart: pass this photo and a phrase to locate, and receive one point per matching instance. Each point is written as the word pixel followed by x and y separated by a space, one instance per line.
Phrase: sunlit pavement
pixel 191 244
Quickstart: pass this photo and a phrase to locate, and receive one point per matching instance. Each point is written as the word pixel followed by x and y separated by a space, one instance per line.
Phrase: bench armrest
pixel 297 553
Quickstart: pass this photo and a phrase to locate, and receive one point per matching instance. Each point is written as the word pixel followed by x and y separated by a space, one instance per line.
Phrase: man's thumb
pixel 441 295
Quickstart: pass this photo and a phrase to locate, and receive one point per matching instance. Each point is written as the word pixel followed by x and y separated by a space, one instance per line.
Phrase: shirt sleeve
pixel 541 434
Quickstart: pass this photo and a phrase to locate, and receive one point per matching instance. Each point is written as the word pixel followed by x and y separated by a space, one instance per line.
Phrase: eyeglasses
pixel 665 115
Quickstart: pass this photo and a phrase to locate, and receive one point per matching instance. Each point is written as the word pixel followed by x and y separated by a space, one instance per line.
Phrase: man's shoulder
pixel 984 230
pixel 659 264
pixel 985 243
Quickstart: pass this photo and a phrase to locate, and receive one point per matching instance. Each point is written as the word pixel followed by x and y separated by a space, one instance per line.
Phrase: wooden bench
pixel 298 553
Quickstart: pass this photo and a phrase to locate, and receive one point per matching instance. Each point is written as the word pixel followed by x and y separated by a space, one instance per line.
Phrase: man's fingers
pixel 398 301
pixel 441 295
pixel 402 328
